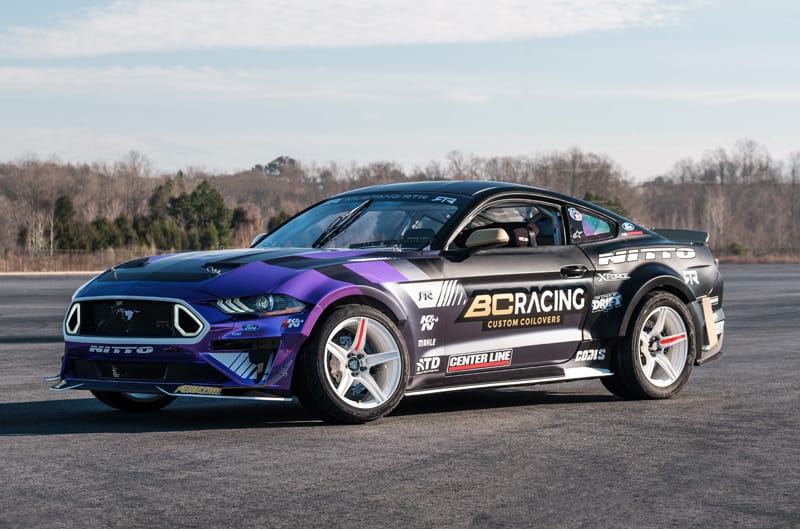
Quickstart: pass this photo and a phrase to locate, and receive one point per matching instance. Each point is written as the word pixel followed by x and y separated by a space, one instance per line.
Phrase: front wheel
pixel 133 401
pixel 656 357
pixel 355 367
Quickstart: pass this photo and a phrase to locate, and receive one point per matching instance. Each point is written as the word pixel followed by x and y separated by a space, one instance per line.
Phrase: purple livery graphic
pixel 403 289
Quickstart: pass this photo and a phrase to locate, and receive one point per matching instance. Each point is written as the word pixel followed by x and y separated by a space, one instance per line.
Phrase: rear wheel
pixel 133 401
pixel 355 368
pixel 657 355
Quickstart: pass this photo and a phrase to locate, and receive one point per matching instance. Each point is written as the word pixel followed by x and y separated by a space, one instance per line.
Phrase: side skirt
pixel 572 373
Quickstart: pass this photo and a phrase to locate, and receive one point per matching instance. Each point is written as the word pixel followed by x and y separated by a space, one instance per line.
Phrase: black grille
pixel 258 344
pixel 128 318
pixel 147 372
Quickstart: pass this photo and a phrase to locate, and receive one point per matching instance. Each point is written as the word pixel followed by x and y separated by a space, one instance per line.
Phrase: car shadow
pixel 481 399
pixel 87 415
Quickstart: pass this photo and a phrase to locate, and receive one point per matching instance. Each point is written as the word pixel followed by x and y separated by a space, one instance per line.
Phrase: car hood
pixel 231 273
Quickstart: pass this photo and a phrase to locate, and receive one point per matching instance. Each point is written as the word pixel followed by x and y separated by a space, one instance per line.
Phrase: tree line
pixel 746 199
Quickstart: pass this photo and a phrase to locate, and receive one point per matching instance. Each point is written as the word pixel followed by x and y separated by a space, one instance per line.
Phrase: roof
pixel 453 187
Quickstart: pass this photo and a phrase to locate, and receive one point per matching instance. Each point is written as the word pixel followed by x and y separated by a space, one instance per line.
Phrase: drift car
pixel 404 289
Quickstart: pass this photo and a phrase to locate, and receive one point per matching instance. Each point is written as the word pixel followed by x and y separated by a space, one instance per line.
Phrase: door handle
pixel 574 271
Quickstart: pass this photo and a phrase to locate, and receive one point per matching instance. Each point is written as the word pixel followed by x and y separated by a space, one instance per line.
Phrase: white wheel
pixel 363 362
pixel 355 367
pixel 663 346
pixel 656 357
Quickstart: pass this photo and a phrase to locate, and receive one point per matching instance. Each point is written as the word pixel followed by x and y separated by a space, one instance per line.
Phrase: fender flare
pixel 665 279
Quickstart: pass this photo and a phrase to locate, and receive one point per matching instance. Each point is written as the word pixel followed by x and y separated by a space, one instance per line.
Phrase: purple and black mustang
pixel 404 289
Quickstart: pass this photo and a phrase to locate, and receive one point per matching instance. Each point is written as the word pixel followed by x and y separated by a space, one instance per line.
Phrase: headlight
pixel 263 305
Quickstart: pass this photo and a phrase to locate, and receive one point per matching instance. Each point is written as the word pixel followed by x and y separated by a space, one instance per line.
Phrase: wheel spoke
pixel 644 342
pixel 381 358
pixel 338 352
pixel 664 363
pixel 648 365
pixel 360 340
pixel 658 326
pixel 345 383
pixel 372 386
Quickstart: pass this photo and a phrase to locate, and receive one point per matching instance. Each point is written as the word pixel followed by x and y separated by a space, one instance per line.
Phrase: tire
pixel 657 355
pixel 133 401
pixel 354 368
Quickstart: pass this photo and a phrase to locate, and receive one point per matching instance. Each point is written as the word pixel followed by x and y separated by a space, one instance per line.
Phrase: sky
pixel 222 85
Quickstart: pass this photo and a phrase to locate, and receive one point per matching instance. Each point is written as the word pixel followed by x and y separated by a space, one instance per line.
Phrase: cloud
pixel 125 26
pixel 142 82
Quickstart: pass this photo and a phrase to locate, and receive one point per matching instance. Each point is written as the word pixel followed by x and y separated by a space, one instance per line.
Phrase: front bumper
pixel 231 360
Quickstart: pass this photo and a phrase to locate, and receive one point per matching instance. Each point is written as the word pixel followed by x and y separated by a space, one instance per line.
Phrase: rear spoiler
pixel 683 236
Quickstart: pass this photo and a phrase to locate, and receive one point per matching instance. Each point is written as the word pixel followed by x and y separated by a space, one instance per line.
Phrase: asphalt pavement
pixel 724 453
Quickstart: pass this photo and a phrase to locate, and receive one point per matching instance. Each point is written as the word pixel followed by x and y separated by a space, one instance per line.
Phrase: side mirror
pixel 258 238
pixel 487 238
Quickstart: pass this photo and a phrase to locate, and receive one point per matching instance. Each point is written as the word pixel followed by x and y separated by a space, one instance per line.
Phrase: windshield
pixel 367 221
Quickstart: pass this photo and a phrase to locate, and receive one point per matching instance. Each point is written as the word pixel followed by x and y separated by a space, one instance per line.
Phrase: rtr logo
pixel 691 278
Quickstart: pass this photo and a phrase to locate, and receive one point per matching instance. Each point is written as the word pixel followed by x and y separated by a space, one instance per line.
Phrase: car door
pixel 526 298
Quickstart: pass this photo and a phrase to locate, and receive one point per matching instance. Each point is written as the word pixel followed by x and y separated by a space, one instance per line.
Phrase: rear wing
pixel 683 236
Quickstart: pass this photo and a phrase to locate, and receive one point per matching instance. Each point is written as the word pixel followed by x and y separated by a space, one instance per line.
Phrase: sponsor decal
pixel 428 365
pixel 121 349
pixel 575 215
pixel 198 390
pixel 647 254
pixel 607 302
pixel 611 276
pixel 627 226
pixel 474 361
pixel 293 323
pixel 589 355
pixel 632 233
pixel 250 327
pixel 426 342
pixel 427 322
pixel 536 307
pixel 444 200
pixel 577 235
pixel 691 277
pixel 432 294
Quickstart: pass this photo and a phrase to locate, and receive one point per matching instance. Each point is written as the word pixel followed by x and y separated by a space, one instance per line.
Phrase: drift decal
pixel 431 294
pixel 607 302
pixel 523 308
pixel 473 361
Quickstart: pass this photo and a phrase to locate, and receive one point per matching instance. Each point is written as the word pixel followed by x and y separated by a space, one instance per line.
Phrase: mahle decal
pixel 508 309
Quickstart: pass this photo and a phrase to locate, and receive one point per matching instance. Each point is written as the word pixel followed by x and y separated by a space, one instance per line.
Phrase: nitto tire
pixel 354 368
pixel 133 401
pixel 658 353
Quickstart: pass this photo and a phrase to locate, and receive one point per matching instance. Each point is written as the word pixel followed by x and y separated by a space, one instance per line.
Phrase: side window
pixel 528 224
pixel 585 226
